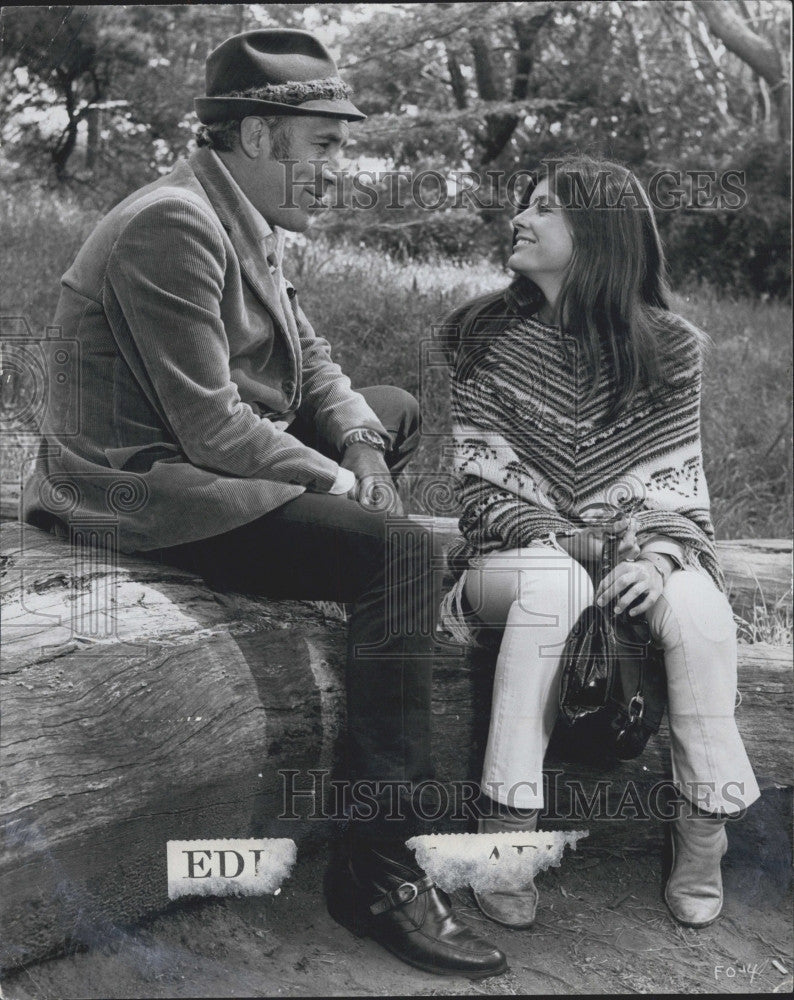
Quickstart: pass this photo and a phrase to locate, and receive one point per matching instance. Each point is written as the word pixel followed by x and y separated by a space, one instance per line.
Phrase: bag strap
pixel 610 559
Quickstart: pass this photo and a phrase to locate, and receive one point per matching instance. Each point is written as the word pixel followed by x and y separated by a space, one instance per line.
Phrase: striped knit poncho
pixel 533 455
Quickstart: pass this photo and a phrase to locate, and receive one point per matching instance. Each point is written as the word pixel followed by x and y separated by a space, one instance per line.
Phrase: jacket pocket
pixel 140 458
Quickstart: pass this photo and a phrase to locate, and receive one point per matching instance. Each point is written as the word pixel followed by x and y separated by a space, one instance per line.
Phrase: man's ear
pixel 254 137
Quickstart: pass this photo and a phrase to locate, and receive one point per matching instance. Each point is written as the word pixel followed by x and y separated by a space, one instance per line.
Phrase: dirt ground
pixel 602 928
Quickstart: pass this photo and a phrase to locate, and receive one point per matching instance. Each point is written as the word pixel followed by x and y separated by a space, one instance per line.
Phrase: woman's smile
pixel 543 245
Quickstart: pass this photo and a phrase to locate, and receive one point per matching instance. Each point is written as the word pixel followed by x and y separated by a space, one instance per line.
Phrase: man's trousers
pixel 322 547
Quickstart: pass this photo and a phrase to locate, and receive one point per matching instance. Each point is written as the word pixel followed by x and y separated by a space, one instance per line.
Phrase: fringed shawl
pixel 534 455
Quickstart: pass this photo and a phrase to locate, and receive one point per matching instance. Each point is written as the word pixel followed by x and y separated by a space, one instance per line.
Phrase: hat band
pixel 296 92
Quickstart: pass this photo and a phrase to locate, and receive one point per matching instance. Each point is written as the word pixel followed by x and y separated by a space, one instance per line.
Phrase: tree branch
pixel 483 68
pixel 668 15
pixel 753 50
pixel 464 23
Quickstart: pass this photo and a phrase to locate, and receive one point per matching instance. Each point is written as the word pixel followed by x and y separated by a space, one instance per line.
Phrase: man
pixel 244 451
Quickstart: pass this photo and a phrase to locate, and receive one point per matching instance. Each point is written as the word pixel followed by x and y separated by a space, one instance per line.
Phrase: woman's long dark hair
pixel 615 281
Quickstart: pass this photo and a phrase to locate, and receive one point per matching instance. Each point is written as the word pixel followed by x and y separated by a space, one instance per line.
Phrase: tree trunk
pixel 484 74
pixel 500 127
pixel 64 147
pixel 93 140
pixel 759 54
pixel 180 718
pixel 457 82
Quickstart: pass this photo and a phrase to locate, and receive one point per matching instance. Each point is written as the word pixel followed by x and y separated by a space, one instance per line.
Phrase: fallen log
pixel 141 707
pixel 757 573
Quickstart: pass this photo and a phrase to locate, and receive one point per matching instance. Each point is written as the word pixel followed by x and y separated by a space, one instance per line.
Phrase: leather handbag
pixel 613 690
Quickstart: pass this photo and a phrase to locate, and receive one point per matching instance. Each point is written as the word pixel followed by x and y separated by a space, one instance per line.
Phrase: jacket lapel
pixel 247 231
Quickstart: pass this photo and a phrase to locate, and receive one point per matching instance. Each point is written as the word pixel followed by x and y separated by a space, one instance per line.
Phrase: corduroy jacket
pixel 185 353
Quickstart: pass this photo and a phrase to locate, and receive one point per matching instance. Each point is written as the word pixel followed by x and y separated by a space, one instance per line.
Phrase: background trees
pixel 100 99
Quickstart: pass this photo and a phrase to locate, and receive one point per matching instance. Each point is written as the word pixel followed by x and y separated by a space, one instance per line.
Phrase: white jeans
pixel 538 593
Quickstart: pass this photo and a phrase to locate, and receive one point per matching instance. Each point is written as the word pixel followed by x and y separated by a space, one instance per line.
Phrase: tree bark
pixel 483 68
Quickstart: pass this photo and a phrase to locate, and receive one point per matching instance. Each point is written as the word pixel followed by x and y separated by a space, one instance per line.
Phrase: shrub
pixel 746 251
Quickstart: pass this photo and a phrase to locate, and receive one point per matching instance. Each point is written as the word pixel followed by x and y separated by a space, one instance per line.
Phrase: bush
pixel 42 231
pixel 454 234
pixel 746 251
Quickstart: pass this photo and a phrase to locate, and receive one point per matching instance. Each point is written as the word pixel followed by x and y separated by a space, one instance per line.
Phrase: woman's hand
pixel 629 581
pixel 587 545
pixel 629 548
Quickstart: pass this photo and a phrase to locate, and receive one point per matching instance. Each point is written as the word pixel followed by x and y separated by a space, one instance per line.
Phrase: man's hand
pixel 374 488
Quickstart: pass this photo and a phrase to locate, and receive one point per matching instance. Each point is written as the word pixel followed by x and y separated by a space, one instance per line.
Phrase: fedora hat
pixel 273 71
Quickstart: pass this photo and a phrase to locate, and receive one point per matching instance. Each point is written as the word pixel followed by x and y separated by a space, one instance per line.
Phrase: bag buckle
pixel 636 708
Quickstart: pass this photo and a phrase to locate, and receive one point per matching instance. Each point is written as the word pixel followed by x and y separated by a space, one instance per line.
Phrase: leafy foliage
pixel 448 87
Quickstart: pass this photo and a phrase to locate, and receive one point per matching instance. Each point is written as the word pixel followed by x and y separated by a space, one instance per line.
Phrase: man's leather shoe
pixel 515 907
pixel 400 907
pixel 694 889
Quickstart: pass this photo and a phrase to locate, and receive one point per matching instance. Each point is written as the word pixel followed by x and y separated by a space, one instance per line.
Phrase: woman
pixel 574 388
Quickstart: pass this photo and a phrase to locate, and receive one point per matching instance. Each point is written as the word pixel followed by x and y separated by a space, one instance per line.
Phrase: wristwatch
pixel 365 436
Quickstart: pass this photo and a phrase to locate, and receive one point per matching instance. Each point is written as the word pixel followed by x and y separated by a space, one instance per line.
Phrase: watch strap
pixel 363 435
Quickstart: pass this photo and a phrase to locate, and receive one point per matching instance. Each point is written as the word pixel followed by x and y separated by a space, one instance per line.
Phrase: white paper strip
pixel 490 862
pixel 228 867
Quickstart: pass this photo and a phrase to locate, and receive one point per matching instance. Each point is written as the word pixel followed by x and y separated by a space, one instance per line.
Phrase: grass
pixel 770 623
pixel 40 234
pixel 378 313
pixel 746 417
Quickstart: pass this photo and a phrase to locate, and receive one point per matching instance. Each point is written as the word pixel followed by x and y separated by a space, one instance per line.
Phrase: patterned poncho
pixel 533 454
